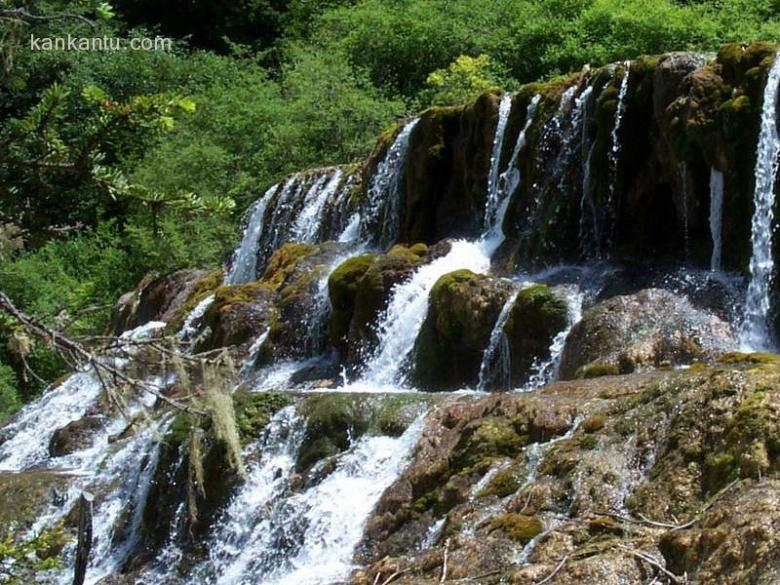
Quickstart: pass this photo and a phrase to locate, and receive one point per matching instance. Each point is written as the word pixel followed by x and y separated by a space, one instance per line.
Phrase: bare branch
pixel 23 16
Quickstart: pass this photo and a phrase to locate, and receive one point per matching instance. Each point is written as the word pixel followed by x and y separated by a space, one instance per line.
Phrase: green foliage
pixel 24 558
pixel 462 81
pixel 9 397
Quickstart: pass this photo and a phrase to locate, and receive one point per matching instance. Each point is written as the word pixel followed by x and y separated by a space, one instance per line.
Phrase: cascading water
pixel 406 311
pixel 307 225
pixel 305 537
pixel 243 265
pixel 755 332
pixel 381 217
pixel 495 369
pixel 492 202
pixel 588 230
pixel 509 180
pixel 716 218
pixel 614 150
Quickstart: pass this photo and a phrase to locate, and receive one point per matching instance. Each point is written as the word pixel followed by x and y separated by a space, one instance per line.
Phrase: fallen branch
pixel 444 562
pixel 394 576
pixel 555 571
pixel 68 348
pixel 652 562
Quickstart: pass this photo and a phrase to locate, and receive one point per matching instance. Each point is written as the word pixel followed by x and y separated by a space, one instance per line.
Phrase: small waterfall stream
pixel 381 218
pixel 492 202
pixel 716 218
pixel 614 150
pixel 495 369
pixel 307 224
pixel 755 330
pixel 243 265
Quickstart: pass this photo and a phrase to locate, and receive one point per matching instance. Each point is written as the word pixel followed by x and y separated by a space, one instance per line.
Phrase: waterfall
pixel 755 332
pixel 307 225
pixel 496 359
pixel 589 235
pixel 383 209
pixel 273 535
pixel 614 151
pixel 408 306
pixel 509 180
pixel 189 329
pixel 716 217
pixel 352 230
pixel 492 201
pixel 243 265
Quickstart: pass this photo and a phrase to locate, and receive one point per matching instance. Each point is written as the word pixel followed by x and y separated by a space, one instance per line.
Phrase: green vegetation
pixel 117 163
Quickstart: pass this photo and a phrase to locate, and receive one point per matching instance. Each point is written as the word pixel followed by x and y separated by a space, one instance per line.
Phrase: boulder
pixel 649 329
pixel 75 436
pixel 463 308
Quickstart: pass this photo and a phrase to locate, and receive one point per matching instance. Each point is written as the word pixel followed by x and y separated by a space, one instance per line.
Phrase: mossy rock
pixel 343 286
pixel 283 263
pixel 237 316
pixel 754 358
pixel 254 411
pixel 517 527
pixel 537 316
pixel 202 289
pixel 596 370
pixel 463 308
pixel 504 483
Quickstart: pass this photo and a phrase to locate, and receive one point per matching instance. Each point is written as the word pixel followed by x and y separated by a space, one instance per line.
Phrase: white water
pixel 307 224
pixel 497 355
pixel 614 151
pixel 509 180
pixel 492 202
pixel 352 230
pixel 755 332
pixel 382 214
pixel 589 235
pixel 189 329
pixel 401 322
pixel 272 536
pixel 716 217
pixel 29 433
pixel 243 265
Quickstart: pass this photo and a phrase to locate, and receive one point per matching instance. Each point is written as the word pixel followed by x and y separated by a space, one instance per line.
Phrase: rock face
pixel 462 309
pixel 75 436
pixel 650 329
pixel 679 467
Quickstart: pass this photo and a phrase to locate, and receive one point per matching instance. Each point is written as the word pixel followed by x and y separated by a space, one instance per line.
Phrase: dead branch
pixel 549 577
pixel 71 349
pixel 23 16
pixel 444 561
pixel 394 576
pixel 646 557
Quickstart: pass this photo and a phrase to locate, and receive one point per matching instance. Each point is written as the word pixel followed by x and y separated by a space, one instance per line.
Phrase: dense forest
pixel 115 164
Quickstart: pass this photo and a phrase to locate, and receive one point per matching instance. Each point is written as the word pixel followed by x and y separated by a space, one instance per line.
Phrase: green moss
pixel 596 370
pixel 206 286
pixel 518 527
pixel 719 470
pixel 254 411
pixel 494 437
pixel 735 358
pixel 593 423
pixel 504 483
pixel 284 261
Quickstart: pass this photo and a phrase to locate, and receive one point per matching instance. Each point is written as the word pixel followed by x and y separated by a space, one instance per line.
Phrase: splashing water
pixel 307 225
pixel 273 536
pixel 408 306
pixel 495 369
pixel 352 231
pixel 190 327
pixel 508 181
pixel 382 214
pixel 755 332
pixel 716 218
pixel 492 201
pixel 243 265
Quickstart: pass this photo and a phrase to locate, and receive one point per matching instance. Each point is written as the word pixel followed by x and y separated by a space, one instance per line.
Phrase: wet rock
pixel 537 316
pixel 75 436
pixel 156 298
pixel 462 310
pixel 302 304
pixel 236 317
pixel 650 329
